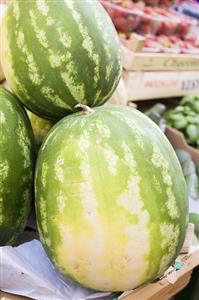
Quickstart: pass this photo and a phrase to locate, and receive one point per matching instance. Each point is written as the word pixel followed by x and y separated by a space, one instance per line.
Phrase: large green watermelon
pixel 56 54
pixel 111 198
pixel 16 167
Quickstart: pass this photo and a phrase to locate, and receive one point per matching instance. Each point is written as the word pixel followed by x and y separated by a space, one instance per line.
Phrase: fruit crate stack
pixel 111 213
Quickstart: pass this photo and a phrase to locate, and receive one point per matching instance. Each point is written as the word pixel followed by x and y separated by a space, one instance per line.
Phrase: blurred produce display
pixel 189 8
pixel 170 44
pixel 185 118
pixel 190 173
pixel 190 169
pixel 156 112
pixel 128 16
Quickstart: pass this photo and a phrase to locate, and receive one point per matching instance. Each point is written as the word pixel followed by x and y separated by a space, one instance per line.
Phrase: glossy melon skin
pixel 56 54
pixel 16 168
pixel 111 199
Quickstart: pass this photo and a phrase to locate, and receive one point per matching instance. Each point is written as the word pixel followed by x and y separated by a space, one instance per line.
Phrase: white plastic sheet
pixel 27 271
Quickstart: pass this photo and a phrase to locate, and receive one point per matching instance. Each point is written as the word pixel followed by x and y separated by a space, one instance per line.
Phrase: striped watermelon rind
pixel 56 54
pixel 16 168
pixel 111 211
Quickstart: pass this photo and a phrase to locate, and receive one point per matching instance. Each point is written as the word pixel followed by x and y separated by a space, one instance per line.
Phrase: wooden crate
pixel 134 59
pixel 162 289
pixel 6 296
pixel 156 85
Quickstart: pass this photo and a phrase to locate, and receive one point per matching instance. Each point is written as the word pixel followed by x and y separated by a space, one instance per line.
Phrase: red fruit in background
pixel 120 23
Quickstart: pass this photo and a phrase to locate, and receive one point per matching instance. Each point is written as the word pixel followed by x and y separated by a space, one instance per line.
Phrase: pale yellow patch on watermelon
pixel 7 65
pixel 66 234
pixel 44 172
pixel 138 238
pixel 42 7
pixel 137 132
pixel 166 177
pixel 84 142
pixel 87 41
pixel 26 196
pixel 160 162
pixel 128 157
pixel 64 37
pixel 48 241
pixel 24 143
pixel 2 118
pixel 34 75
pixel 40 34
pixel 44 10
pixel 156 184
pixel 108 71
pixel 82 261
pixel 20 39
pixel 138 234
pixel 59 169
pixel 170 237
pixel 50 21
pixel 61 201
pixel 171 204
pixel 43 218
pixel 104 130
pixel 4 170
pixel 97 95
pixel 31 64
pixel 50 94
pixel 76 90
pixel 130 199
pixel 104 34
pixel 56 59
pixel 106 40
pixel 16 10
pixel 111 159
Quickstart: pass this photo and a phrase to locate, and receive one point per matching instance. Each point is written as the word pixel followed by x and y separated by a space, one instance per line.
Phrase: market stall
pixel 99 194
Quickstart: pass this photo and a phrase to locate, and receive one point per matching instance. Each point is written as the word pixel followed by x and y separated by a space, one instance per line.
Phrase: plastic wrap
pixel 26 270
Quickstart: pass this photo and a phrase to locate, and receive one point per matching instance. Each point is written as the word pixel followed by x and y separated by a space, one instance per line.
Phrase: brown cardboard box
pixel 178 141
pixel 6 296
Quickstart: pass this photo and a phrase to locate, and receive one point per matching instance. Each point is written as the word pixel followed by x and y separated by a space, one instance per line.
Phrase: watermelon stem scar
pixel 86 110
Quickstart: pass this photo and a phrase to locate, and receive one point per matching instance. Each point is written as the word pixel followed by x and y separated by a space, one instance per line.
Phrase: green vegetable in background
pixel 156 112
pixel 185 118
pixel 192 101
pixel 190 174
pixel 192 133
pixel 194 218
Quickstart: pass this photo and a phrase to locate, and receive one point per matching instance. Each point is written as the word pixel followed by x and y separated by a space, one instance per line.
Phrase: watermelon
pixel 40 127
pixel 111 199
pixel 16 167
pixel 56 54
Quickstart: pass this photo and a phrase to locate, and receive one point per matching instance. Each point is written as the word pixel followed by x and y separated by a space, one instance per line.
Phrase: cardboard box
pixel 178 141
